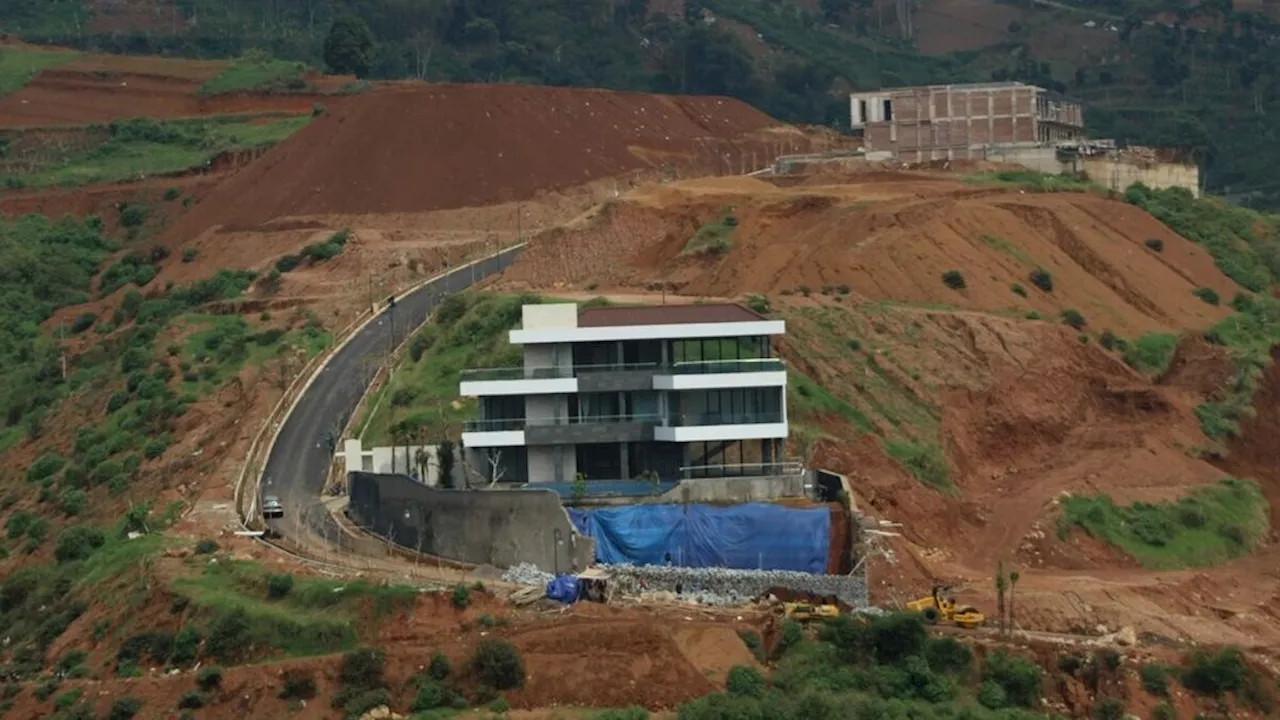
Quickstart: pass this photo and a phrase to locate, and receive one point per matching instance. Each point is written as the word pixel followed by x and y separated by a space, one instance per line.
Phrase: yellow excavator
pixel 805 612
pixel 940 606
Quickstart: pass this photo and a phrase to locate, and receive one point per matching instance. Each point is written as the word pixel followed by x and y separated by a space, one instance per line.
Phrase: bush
pixel 229 636
pixel 1207 294
pixel 132 216
pixel 1154 679
pixel 124 708
pixel 279 586
pixel 1073 318
pixel 745 681
pixel 1151 352
pixel 189 255
pixel 439 667
pixel 992 696
pixel 431 695
pixel 1155 244
pixel 948 655
pixel 172 194
pixel 953 279
pixel 83 322
pixel 45 466
pixel 288 263
pixel 191 700
pixel 1108 340
pixel 1164 711
pixel 363 668
pixel 78 543
pixel 461 597
pixel 298 684
pixel 209 678
pixel 759 304
pixel 1215 673
pixel 1041 279
pixel 186 644
pixel 1018 290
pixel 1109 709
pixel 1018 677
pixel 497 664
pixel 790 636
pixel 364 702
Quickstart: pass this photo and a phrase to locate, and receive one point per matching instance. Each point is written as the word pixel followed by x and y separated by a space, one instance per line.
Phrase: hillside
pixel 966 400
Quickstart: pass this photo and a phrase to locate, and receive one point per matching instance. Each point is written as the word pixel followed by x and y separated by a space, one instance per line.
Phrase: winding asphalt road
pixel 299 460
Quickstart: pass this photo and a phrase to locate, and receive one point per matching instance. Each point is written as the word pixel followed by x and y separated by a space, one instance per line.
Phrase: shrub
pixel 1041 279
pixel 172 194
pixel 298 684
pixel 953 279
pixel 991 695
pixel 229 636
pixel 1018 290
pixel 745 681
pixel 1215 673
pixel 1151 352
pixel 461 596
pixel 78 543
pixel 759 304
pixel 1073 318
pixel 1018 677
pixel 430 695
pixel 132 216
pixel 439 667
pixel 1207 294
pixel 1108 340
pixel 279 586
pixel 948 655
pixel 1164 711
pixel 45 466
pixel 1155 244
pixel 790 636
pixel 83 322
pixel 189 255
pixel 191 700
pixel 186 644
pixel 1109 709
pixel 1069 664
pixel 124 708
pixel 209 677
pixel 1154 679
pixel 497 664
pixel 288 263
pixel 363 668
pixel 363 702
pixel 156 447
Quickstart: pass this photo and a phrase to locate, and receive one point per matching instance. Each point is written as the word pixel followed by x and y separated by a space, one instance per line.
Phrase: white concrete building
pixel 623 393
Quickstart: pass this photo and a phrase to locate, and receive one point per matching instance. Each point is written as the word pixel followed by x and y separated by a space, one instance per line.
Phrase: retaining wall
pixel 736 489
pixel 494 527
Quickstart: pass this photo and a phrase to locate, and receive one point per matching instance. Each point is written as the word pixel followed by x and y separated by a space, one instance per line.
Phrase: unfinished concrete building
pixel 947 122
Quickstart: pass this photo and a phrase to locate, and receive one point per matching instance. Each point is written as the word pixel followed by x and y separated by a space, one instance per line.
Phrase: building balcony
pixel 584 429
pixel 623 377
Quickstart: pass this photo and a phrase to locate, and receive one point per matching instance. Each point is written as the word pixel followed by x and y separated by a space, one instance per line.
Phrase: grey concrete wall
pixel 588 432
pixel 736 490
pixel 495 527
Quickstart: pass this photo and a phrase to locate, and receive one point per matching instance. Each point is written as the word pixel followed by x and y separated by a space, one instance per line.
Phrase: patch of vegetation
pixel 315 252
pixel 1004 247
pixel 314 617
pixel 1041 279
pixel 1155 244
pixel 927 463
pixel 1248 335
pixel 807 397
pixel 497 664
pixel 142 148
pixel 713 238
pixel 19 65
pixel 1209 526
pixel 953 279
pixel 1151 353
pixel 256 71
pixel 469 330
pixel 1032 181
pixel 1074 319
pixel 1208 295
pixel 1245 244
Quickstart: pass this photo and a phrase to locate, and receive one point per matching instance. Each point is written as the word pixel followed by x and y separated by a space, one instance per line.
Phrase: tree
pixel 496 468
pixel 348 50
pixel 444 464
pixel 1013 585
pixel 1002 585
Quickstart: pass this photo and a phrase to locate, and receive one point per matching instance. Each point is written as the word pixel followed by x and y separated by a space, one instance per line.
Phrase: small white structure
pixel 414 460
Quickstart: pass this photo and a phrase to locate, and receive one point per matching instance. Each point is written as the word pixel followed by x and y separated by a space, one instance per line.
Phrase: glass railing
pixel 725 366
pixel 679 368
pixel 649 418
pixel 789 467
pixel 731 418
pixel 494 425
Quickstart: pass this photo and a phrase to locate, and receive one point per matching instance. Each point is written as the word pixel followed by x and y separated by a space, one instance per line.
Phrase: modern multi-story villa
pixel 623 393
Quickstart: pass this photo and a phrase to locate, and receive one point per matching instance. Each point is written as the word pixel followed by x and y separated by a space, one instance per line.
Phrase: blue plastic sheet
pixel 752 536
pixel 564 589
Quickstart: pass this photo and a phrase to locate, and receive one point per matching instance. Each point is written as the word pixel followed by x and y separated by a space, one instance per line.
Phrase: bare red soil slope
pixel 410 148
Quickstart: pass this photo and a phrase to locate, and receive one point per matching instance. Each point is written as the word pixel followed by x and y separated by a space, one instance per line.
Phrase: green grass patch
pixel 809 398
pixel 1248 335
pixel 257 72
pixel 19 65
pixel 926 463
pixel 1245 244
pixel 713 238
pixel 1209 526
pixel 142 147
pixel 1151 353
pixel 247 610
pixel 222 344
pixel 1005 247
pixel 468 331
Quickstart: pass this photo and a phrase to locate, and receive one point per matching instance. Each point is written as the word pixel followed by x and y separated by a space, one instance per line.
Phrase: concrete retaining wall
pixel 735 490
pixel 1112 172
pixel 494 527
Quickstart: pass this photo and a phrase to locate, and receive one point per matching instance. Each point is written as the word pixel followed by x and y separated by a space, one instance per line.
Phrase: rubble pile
pixel 526 574
pixel 725 586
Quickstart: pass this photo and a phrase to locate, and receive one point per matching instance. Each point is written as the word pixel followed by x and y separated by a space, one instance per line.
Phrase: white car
pixel 271 507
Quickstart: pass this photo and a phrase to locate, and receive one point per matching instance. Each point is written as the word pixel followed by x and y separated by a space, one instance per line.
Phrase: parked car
pixel 271 507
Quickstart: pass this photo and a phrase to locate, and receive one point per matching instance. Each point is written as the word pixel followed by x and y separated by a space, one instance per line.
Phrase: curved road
pixel 298 461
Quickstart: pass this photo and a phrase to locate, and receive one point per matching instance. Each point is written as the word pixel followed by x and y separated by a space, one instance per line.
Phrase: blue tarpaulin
pixel 752 536
pixel 564 588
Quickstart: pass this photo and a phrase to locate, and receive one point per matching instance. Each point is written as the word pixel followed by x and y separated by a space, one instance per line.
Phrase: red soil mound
pixel 892 238
pixel 414 148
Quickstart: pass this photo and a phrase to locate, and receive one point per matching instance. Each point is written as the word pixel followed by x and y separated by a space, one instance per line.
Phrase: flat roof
pixel 616 316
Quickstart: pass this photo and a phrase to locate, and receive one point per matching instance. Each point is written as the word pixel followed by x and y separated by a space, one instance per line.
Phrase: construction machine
pixel 804 612
pixel 940 606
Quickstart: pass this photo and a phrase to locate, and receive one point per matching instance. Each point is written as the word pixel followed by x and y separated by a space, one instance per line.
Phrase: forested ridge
pixel 1202 76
